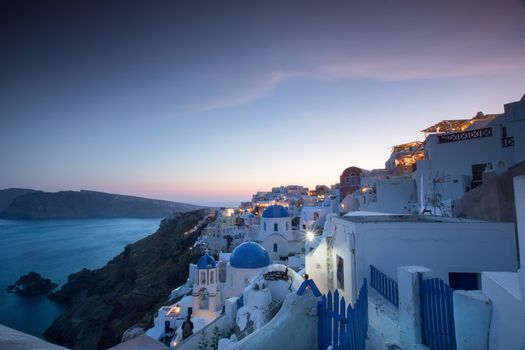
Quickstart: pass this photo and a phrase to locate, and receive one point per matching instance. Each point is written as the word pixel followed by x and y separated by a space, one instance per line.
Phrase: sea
pixel 55 249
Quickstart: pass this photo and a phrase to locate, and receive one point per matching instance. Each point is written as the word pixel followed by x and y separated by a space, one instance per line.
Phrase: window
pixel 464 280
pixel 275 247
pixel 203 277
pixel 265 226
pixel 477 174
pixel 287 226
pixel 352 180
pixel 212 273
pixel 340 273
pixel 276 227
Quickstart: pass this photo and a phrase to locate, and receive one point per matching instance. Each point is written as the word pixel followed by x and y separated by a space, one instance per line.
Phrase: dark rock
pixel 31 284
pixel 102 304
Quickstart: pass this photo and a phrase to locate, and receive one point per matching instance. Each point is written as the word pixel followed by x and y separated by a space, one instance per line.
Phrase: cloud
pixel 262 86
pixel 388 69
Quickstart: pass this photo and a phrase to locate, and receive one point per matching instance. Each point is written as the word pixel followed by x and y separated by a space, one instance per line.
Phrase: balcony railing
pixel 507 141
pixel 465 135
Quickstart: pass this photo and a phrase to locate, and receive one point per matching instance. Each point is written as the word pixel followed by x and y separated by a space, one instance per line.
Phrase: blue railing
pixel 386 286
pixel 341 326
pixel 309 284
pixel 437 315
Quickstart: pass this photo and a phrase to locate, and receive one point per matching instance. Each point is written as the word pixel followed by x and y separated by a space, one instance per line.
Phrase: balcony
pixel 465 135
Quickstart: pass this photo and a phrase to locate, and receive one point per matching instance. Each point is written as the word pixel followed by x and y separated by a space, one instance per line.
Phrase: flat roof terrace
pixel 376 218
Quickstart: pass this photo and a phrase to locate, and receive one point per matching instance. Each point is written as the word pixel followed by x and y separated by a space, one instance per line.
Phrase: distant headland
pixel 16 203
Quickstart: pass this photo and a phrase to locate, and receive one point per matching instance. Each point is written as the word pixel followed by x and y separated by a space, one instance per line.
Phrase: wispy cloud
pixel 262 86
pixel 379 69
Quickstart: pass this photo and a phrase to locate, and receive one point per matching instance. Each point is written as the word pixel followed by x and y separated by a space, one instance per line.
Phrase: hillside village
pixel 423 254
pixel 438 231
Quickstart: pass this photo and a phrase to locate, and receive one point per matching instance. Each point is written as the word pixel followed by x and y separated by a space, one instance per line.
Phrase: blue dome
pixel 249 255
pixel 275 211
pixel 205 261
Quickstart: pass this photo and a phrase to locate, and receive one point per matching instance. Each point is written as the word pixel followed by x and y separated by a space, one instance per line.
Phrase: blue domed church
pixel 276 235
pixel 246 261
pixel 210 290
pixel 206 291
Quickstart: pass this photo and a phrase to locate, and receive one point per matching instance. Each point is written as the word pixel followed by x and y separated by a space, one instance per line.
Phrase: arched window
pixel 276 227
pixel 211 276
pixel 275 247
pixel 204 300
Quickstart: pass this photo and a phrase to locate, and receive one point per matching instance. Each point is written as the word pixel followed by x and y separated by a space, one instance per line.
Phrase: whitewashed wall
pixel 508 311
pixel 441 246
pixel 315 266
pixel 506 290
pixel 283 246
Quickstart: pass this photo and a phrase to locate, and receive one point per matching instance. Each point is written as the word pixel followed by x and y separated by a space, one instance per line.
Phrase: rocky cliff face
pixel 103 303
pixel 84 204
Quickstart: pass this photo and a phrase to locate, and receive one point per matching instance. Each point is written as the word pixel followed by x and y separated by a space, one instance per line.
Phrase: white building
pixel 276 234
pixel 433 174
pixel 452 248
pixel 494 318
pixel 313 217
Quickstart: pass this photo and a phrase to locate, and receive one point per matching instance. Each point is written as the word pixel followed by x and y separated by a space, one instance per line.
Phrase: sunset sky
pixel 211 101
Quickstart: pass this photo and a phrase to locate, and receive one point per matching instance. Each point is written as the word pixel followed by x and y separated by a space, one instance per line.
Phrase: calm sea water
pixel 55 249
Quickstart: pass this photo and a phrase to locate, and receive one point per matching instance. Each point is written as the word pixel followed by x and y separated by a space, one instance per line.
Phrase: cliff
pixel 85 204
pixel 8 195
pixel 103 303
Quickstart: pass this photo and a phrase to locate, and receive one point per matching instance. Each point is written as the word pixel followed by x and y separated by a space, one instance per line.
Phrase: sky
pixel 204 101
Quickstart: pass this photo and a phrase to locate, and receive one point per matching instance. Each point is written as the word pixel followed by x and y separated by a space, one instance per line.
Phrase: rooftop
pixel 275 211
pixel 249 255
pixel 370 217
pixel 206 262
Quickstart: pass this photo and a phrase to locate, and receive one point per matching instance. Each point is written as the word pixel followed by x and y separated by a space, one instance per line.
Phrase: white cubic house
pixel 457 250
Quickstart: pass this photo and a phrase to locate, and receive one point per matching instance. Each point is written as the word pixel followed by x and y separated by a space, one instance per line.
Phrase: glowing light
pixel 310 235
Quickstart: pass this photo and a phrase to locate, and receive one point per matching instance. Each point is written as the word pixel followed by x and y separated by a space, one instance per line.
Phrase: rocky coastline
pixel 31 284
pixel 102 304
